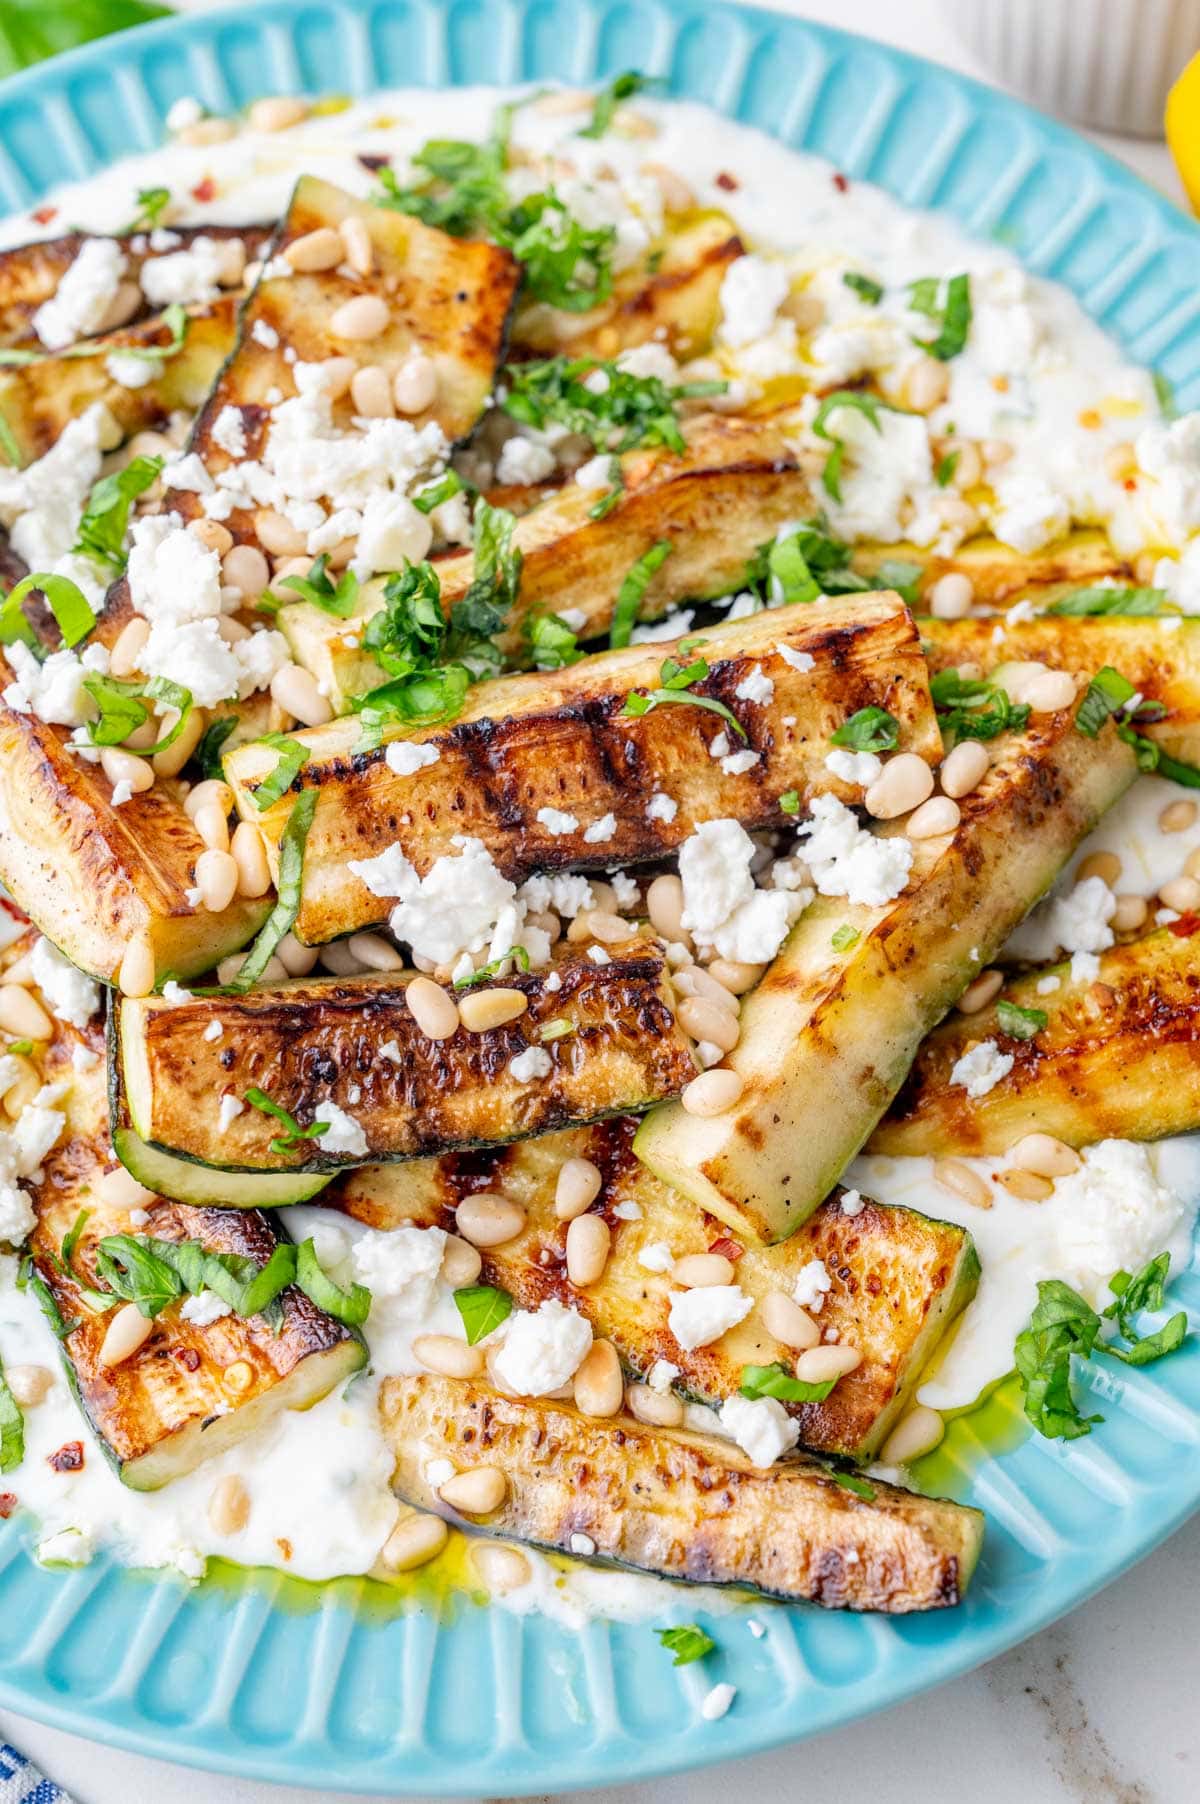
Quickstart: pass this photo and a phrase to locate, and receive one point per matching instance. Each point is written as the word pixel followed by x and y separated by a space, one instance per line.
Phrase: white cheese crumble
pixel 535 1062
pixel 761 1427
pixel 601 831
pixel 213 1031
pixel 42 504
pixel 751 294
pixel 188 277
pixel 756 686
pixel 699 1317
pixel 231 1107
pixel 852 1202
pixel 78 305
pixel 854 767
pixel 581 1544
pixel 662 1375
pixel 407 756
pixel 541 1351
pixel 22 1150
pixel 846 860
pixel 657 1257
pixel 229 431
pixel 173 993
pixel 462 905
pixel 70 995
pixel 343 1134
pixel 557 821
pixel 204 1309
pixel 661 807
pixel 721 906
pixel 738 763
pixel 401 1267
pixel 719 1700
pixel 981 1069
pixel 122 792
pixel 812 1285
pixel 799 660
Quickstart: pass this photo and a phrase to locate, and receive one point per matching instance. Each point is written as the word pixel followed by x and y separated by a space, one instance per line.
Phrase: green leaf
pixel 777 1381
pixel 1107 695
pixel 1164 390
pixel 290 1139
pixel 247 1287
pixel 600 510
pixel 598 400
pixel 858 1486
pixel 845 938
pixel 290 886
pixel 123 710
pixel 9 447
pixel 687 1643
pixel 349 1306
pixel 1020 1023
pixel 567 264
pixel 105 519
pixel 482 1308
pixel 676 683
pixel 447 485
pixel 622 87
pixel 12 1428
pixel 1147 1348
pixel 152 203
pixel 517 954
pixel 557 1029
pixel 67 602
pixel 864 286
pixel 31 30
pixel 903 577
pixel 338 599
pixel 1111 599
pixel 292 758
pixel 133 1271
pixel 551 642
pixel 974 709
pixel 494 586
pixel 870 730
pixel 789 802
pixel 949 304
pixel 943 470
pixel 208 752
pixel 71 1238
pixel 850 400
pixel 1131 1296
pixel 632 592
pixel 1062 1325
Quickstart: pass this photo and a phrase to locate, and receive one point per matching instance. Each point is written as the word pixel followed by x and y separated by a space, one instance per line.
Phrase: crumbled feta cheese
pixel 188 277
pixel 854 767
pixel 627 1211
pixel 78 305
pixel 662 1375
pixel 407 756
pixel 541 1350
pixel 130 370
pixel 557 821
pixel 392 533
pixel 799 660
pixel 581 1544
pixel 229 431
pixel 1169 453
pixel 1046 986
pixel 1113 1213
pixel 41 505
pixel 122 793
pixel 601 831
pixel 982 1068
pixel 657 1257
pixel 204 1309
pixel 259 659
pixel 401 1267
pixel 751 295
pixel 699 1317
pixel 566 894
pixel 183 112
pixel 596 473
pixel 459 906
pixel 535 1062
pixel 231 1108
pixel 83 1058
pixel 69 994
pixel 70 1547
pixel 522 461
pixel 213 1031
pixel 718 747
pixel 718 1701
pixel 1028 513
pixel 756 686
pixel 53 689
pixel 173 993
pixel 265 335
pixel 812 1285
pixel 599 956
pixel 756 1628
pixel 553 980
pixel 661 807
pixel 738 763
pixel 761 1427
pixel 22 1150
pixel 343 1134
pixel 657 632
pixel 1085 966
pixel 852 1202
pixel 847 860
pixel 721 906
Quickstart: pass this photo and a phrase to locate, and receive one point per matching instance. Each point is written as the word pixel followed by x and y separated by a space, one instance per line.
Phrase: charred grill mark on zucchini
pixel 683 1505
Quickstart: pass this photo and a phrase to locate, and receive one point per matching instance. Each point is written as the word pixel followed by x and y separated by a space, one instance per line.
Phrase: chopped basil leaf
pixel 69 605
pixel 845 937
pixel 71 1238
pixel 292 758
pixel 903 577
pixel 551 642
pixel 446 486
pixel 974 709
pixel 948 304
pixel 622 87
pixel 1164 390
pixel 632 591
pixel 9 447
pixel 12 1428
pixel 517 954
pixel 1147 1348
pixel 349 1306
pixel 943 470
pixel 123 710
pixel 1020 1023
pixel 282 917
pixel 864 286
pixel 600 510
pixel 676 683
pixel 1107 695
pixel 777 1381
pixel 152 203
pixel 294 1133
pixel 1061 1325
pixel 687 1643
pixel 806 562
pixel 494 584
pixel 870 730
pixel 789 802
pixel 1133 1294
pixel 598 400
pixel 102 529
pixel 339 600
pixel 854 400
pixel 1111 599
pixel 482 1308
pixel 208 752
pixel 132 1270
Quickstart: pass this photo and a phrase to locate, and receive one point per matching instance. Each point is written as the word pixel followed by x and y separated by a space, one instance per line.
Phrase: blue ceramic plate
pixel 335 1693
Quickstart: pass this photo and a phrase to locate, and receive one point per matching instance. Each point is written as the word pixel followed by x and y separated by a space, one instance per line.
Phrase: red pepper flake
pixel 205 190
pixel 8 1503
pixel 841 182
pixel 1130 484
pixel 188 1358
pixel 69 1457
pixel 43 215
pixel 1185 926
pixel 728 1249
pixel 729 183
pixel 284 1546
pixel 370 160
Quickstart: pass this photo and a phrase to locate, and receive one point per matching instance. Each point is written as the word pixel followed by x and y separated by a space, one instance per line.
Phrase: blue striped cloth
pixel 21 1783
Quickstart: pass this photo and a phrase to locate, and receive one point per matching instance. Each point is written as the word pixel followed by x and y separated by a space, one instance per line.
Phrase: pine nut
pixel 277 535
pixel 250 855
pixel 207 131
pixel 1177 817
pixel 968 470
pixel 962 1182
pixel 212 827
pixel 664 905
pixel 23 1088
pixel 214 792
pixel 964 768
pixel 905 783
pixel 712 1092
pixel 487 1219
pixel 658 1409
pixel 297 960
pixel 475 1493
pixel 276 112
pixel 120 310
pixel 170 762
pixel 295 689
pixel 375 953
pixel 502 1569
pixel 452 1358
pixel 677 196
pixel 603 926
pixel 119 1189
pixel 22 1015
pixel 229 1506
pixel 916 1433
pixel 461 1263
pixel 364 317
pixel 933 818
pixel 415 384
pixel 212 535
pixel 977 995
pixel 356 242
pixel 128 647
pixel 785 1321
pixel 217 880
pixel 589 1241
pixel 231 263
pixel 1182 893
pixel 338 959
pixel 1044 1155
pixel 700 1271
pixel 434 1012
pixel 1018 677
pixel 708 1021
pixel 952 596
pixel 136 976
pixel 481 1010
pixel 1026 1186
pixel 927 385
pixel 599 1389
pixel 128 1330
pixel 317 250
pixel 1047 694
pixel 1191 864
pixel 1105 865
pixel 246 570
pixel 239 1376
pixel 414 1542
pixel 1129 914
pixel 819 1363
pixel 576 1189
pixel 123 767
pixel 29 1384
pixel 996 451
pixel 734 976
pixel 144 736
pixel 371 393
pixel 695 981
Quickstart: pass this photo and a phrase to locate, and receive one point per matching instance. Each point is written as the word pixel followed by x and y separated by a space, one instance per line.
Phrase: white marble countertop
pixel 1100 1709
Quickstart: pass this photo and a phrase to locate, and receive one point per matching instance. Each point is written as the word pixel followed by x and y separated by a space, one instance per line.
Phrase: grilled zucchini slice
pixel 900 1278
pixel 176 1402
pixel 1125 1070
pixel 560 740
pixel 1160 656
pixel 736 483
pixel 608 1031
pixel 39 399
pixel 999 575
pixel 827 1037
pixel 685 1506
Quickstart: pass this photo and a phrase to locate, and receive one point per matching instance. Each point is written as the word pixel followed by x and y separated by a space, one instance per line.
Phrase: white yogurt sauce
pixel 1034 365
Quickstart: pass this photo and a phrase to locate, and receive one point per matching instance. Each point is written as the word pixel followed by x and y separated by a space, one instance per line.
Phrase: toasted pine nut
pixel 366 316
pixel 229 1506
pixel 317 250
pixel 374 952
pixel 1182 893
pixel 501 1568
pixel 734 976
pixel 695 981
pixel 1105 865
pixel 415 384
pixel 481 1010
pixel 22 1015
pixel 238 1376
pixel 452 1358
pixel 1129 914
pixel 295 689
pixel 487 1219
pixel 338 958
pixel 276 534
pixel 136 977
pixel 599 924
pixel 119 1189
pixel 996 451
pixel 700 1271
pixel 709 1021
pixel 659 1409
pixel 123 767
pixel 961 1181
pixel 128 1330
pixel 461 1263
pixel 435 1013
pixel 231 262
pixel 414 1542
pixel 128 647
pixel 356 243
pixel 1177 817
pixel 1044 1155
pixel 29 1384
pixel 276 112
pixel 212 826
pixel 250 855
pixel 125 303
pixel 927 385
pixel 212 535
pixel 977 995
pixel 916 1433
pixel 371 393
pixel 933 818
pixel 677 196
pixel 819 1363
pixel 906 781
pixel 207 131
pixel 475 1493
pixel 599 1389
pixel 1047 694
pixel 952 596
pixel 664 905
pixel 963 768
pixel 1026 1186
pixel 589 1241
pixel 170 761
pixel 784 1319
pixel 217 880
pixel 577 1187
pixel 969 468
pixel 23 1088
pixel 297 960
pixel 245 569
pixel 712 1092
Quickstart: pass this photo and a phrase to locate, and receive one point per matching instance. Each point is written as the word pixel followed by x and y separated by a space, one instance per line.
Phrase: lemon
pixel 1183 129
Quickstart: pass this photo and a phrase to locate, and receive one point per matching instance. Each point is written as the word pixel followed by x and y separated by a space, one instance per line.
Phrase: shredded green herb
pixel 1020 1023
pixel 777 1381
pixel 948 303
pixel 621 87
pixel 632 592
pixel 687 1642
pixel 598 400
pixel 482 1307
pixel 870 730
